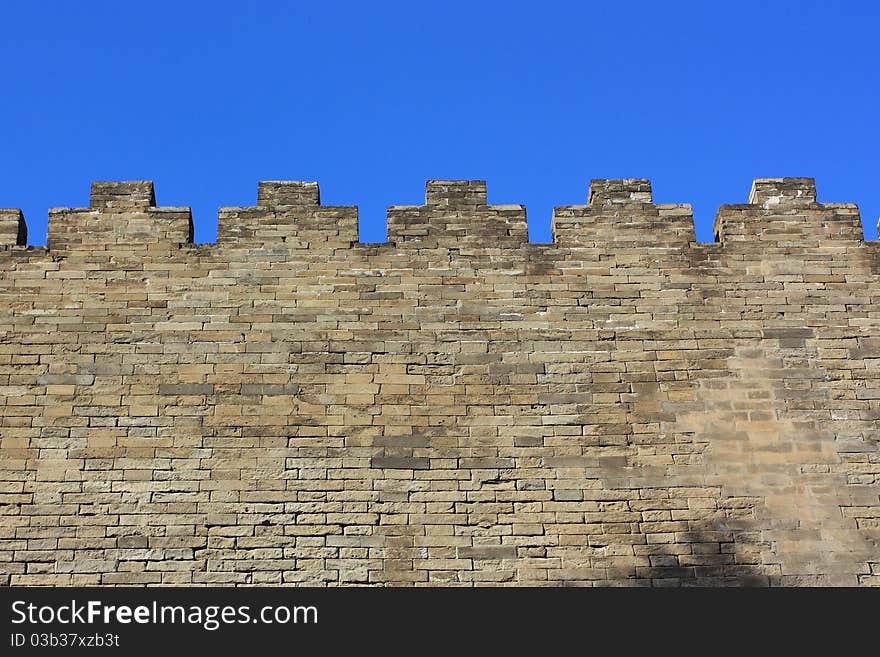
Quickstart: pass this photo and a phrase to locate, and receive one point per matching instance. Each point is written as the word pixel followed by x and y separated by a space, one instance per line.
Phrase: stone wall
pixel 455 406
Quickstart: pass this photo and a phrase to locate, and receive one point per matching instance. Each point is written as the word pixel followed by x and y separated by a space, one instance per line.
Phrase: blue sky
pixel 370 99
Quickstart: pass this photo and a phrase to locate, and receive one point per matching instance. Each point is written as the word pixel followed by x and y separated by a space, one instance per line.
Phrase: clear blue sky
pixel 372 98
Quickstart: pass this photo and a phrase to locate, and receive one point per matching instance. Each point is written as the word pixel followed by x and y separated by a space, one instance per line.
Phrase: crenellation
pixel 785 211
pixel 289 406
pixel 272 193
pixel 456 215
pixel 652 226
pixel 117 226
pixel 787 192
pixel 13 229
pixel 121 215
pixel 289 230
pixel 288 215
pixel 456 193
pixel 621 213
pixel 124 194
pixel 619 191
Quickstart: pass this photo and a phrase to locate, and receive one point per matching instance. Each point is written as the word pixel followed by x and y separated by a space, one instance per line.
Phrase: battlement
pixel 13 229
pixel 288 212
pixel 125 194
pixel 610 192
pixel 786 210
pixel 120 214
pixel 289 406
pixel 456 215
pixel 789 192
pixel 622 212
pixel 455 193
pixel 272 193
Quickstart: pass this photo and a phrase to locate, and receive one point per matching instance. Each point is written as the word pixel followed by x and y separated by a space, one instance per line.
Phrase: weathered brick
pixel 288 405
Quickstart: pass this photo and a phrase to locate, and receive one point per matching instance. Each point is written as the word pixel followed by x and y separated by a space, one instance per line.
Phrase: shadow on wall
pixel 712 554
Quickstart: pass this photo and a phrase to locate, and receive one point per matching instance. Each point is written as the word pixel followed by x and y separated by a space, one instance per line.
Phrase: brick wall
pixel 455 406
